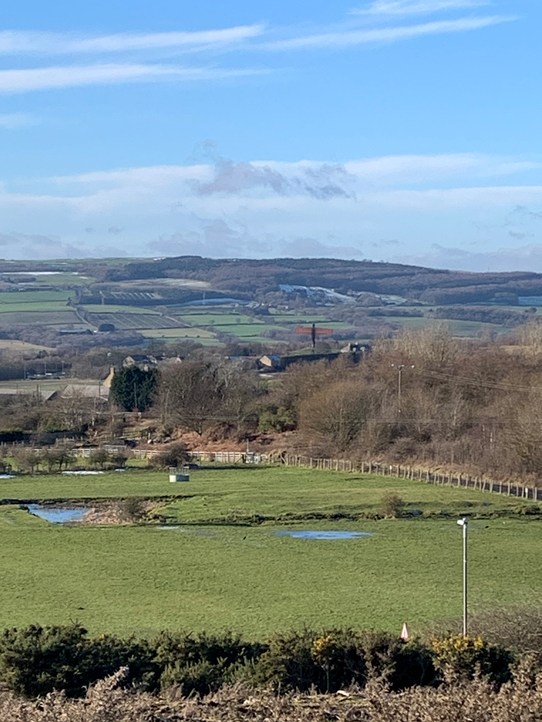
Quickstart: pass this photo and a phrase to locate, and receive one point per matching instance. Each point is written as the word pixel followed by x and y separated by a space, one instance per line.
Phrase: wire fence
pixel 429 476
pixel 443 478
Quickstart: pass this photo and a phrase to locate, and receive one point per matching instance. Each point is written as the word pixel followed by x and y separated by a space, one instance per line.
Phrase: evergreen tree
pixel 133 388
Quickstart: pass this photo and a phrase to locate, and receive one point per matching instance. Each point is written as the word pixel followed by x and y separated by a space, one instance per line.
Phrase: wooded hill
pixel 249 278
pixel 260 276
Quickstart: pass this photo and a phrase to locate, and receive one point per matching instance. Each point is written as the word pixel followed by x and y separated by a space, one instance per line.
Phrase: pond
pixel 57 515
pixel 324 534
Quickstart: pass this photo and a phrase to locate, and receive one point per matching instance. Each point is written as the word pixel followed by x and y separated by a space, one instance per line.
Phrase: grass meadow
pixel 212 569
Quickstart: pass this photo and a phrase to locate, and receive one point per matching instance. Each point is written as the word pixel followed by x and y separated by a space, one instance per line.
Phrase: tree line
pixel 423 396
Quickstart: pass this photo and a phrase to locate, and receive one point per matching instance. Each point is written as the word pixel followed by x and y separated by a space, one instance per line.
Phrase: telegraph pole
pixel 400 368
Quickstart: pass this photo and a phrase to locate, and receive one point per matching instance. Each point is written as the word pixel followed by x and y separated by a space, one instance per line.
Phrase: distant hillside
pixel 263 276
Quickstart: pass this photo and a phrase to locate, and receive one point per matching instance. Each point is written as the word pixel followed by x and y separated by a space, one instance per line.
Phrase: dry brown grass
pixel 520 701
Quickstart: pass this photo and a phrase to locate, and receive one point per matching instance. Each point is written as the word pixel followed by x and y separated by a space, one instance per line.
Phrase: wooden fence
pixel 479 483
pixel 230 457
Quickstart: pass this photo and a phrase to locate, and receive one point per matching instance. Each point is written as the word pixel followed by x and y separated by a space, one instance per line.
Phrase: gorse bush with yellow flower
pixel 460 658
pixel 338 658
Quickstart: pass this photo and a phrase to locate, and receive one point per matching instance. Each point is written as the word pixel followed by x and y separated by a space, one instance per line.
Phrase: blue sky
pixel 397 130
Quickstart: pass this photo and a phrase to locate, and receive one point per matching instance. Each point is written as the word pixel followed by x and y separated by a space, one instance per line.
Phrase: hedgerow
pixel 36 660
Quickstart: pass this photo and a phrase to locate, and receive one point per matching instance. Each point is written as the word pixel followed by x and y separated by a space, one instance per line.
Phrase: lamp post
pixel 464 523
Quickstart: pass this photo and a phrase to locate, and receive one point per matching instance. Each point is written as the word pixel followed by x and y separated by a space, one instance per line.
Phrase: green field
pixel 294 318
pixel 34 297
pixel 215 570
pixel 32 308
pixel 134 321
pixel 62 279
pixel 244 331
pixel 177 333
pixel 112 308
pixel 29 317
pixel 218 318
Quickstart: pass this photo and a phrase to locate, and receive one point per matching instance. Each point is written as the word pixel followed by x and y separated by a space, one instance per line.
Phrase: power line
pixel 502 386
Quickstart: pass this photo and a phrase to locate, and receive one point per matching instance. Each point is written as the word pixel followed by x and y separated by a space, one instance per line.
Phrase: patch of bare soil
pixel 213 441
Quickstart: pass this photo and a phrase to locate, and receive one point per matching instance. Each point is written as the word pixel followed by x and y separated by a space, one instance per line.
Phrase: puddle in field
pixel 57 515
pixel 82 472
pixel 324 534
pixel 7 476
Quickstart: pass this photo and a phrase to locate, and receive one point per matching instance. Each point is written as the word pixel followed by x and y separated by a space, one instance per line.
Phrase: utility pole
pixel 400 368
pixel 464 523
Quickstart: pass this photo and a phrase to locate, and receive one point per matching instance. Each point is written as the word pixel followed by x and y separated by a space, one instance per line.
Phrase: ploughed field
pixel 216 553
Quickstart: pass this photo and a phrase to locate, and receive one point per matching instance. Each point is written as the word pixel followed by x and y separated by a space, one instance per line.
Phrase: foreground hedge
pixel 517 701
pixel 36 660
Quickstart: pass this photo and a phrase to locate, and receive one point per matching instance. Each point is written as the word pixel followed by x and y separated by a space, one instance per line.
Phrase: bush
pixel 279 418
pixel 35 660
pixel 460 659
pixel 519 629
pixel 392 504
pixel 339 658
pixel 133 509
pixel 201 663
pixel 175 455
pixel 99 458
pixel 289 663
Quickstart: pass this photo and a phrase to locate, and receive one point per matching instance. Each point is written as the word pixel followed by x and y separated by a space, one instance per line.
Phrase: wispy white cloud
pixel 413 169
pixel 349 38
pixel 154 176
pixel 255 37
pixel 415 7
pixel 12 121
pixel 17 42
pixel 26 80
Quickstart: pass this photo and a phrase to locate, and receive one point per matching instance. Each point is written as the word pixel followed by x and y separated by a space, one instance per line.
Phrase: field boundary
pixel 429 476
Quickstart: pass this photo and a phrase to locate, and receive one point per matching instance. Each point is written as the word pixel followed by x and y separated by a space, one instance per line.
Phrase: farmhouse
pixel 142 360
pixel 269 362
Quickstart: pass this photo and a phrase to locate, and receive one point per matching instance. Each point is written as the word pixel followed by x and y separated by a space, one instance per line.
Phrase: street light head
pixel 463 522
